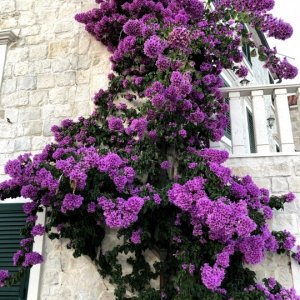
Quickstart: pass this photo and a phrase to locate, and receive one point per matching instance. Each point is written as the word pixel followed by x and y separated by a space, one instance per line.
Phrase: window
pixel 247 52
pixel 246 48
pixel 251 132
pixel 227 132
pixel 6 37
pixel 12 219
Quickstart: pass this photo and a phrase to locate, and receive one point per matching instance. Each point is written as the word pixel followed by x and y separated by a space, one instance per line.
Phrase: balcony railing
pixel 240 97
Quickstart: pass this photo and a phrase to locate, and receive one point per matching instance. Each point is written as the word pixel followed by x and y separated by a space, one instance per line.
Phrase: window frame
pixel 6 37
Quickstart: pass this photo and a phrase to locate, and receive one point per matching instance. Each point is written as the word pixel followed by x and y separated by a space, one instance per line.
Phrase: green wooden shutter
pixel 12 219
pixel 251 132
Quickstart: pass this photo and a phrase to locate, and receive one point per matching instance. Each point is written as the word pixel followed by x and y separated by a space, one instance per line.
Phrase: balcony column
pixel 284 121
pixel 237 115
pixel 260 122
pixel 298 102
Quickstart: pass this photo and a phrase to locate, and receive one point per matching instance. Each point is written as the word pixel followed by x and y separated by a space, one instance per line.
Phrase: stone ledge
pixel 7 36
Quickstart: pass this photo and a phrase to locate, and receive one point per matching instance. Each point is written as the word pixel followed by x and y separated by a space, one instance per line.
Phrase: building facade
pixel 50 69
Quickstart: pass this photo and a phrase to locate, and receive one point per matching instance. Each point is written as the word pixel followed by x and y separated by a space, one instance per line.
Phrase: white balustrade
pixel 257 94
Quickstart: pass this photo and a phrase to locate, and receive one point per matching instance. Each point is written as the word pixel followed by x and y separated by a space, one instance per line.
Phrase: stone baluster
pixel 260 122
pixel 237 116
pixel 283 118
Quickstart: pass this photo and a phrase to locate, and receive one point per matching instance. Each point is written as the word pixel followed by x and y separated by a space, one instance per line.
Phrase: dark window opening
pixel 251 132
pixel 227 131
pixel 247 52
pixel 271 81
pixel 277 148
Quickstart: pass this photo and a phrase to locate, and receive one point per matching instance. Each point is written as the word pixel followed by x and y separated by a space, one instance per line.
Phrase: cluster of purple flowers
pixel 4 275
pixel 121 213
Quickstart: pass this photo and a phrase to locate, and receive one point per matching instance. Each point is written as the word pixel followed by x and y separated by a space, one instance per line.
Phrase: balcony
pixel 261 105
pixel 270 153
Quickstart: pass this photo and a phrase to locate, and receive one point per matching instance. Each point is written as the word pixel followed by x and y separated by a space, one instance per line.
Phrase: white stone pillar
pixel 260 122
pixel 237 115
pixel 298 101
pixel 283 118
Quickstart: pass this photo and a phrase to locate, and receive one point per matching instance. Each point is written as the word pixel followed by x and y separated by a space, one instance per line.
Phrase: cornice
pixel 7 36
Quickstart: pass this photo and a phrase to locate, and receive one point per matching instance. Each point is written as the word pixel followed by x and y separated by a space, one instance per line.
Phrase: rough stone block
pixel 32 128
pixel 9 86
pixel 23 144
pixel 34 39
pixel 82 93
pixel 84 44
pixel 41 66
pixel 30 30
pixel 48 111
pixel 58 95
pixel 45 81
pixel 7 6
pixel 288 221
pixel 62 111
pixel 38 52
pixel 38 98
pixel 262 182
pixel 63 26
pixel 17 55
pixel 60 65
pixel 82 108
pixel 294 184
pixel 65 79
pixel 7 146
pixel 17 99
pixel 58 49
pixel 84 62
pixel 297 167
pixel 27 83
pixel 21 68
pixel 30 113
pixel 27 18
pixel 279 184
pixel 82 77
pixel 7 130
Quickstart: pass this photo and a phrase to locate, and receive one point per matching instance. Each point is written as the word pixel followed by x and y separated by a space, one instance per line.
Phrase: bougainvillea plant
pixel 140 164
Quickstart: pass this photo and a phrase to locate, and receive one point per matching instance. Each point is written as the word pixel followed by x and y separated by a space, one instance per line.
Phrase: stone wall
pixel 51 72
pixel 280 174
pixel 295 118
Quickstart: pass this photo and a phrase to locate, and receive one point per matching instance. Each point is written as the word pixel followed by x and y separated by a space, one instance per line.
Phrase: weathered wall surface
pixel 51 72
pixel 280 174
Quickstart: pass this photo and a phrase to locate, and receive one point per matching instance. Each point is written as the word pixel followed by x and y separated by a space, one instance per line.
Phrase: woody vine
pixel 140 164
